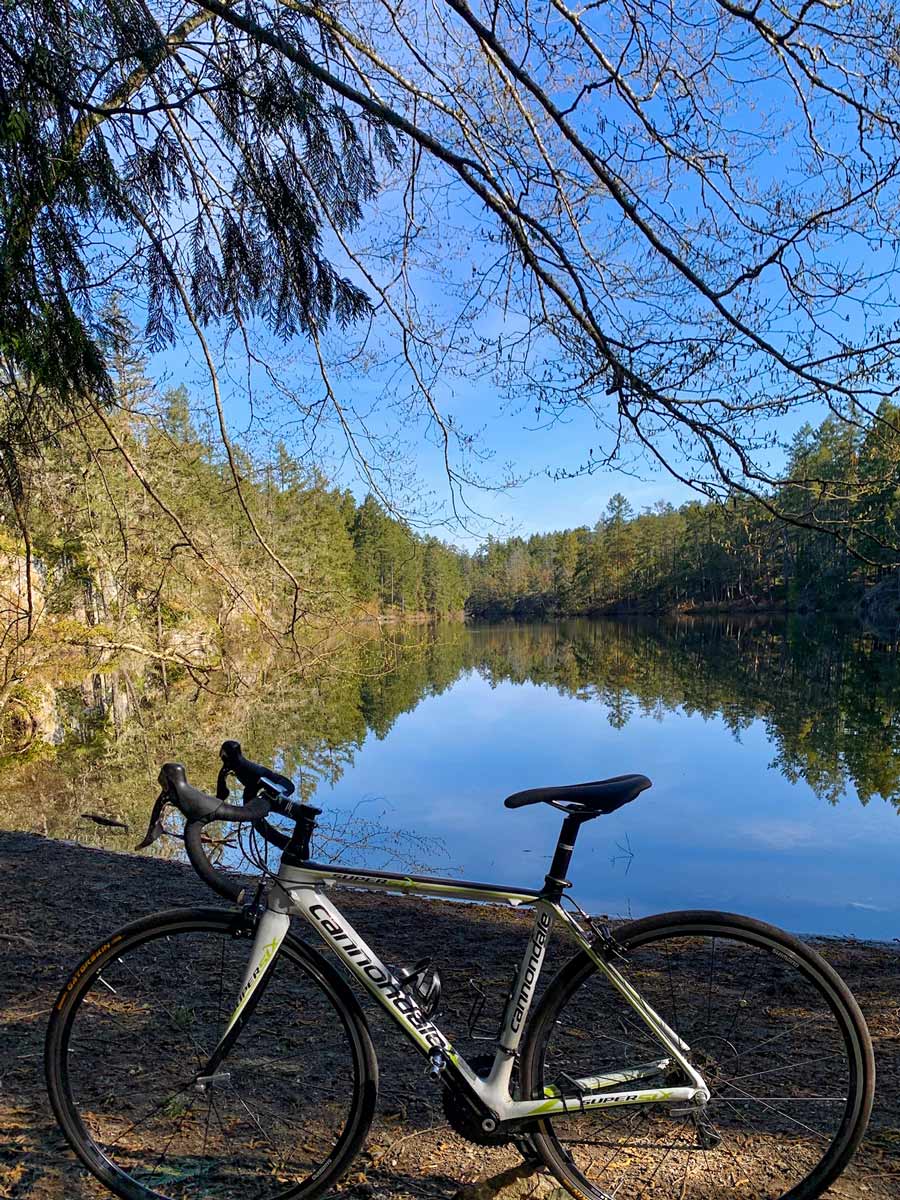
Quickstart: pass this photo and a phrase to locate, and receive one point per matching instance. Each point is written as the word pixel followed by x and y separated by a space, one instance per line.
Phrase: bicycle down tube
pixel 302 891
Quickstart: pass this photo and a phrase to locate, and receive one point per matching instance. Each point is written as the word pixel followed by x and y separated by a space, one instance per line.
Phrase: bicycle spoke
pixel 783 1067
pixel 148 1116
pixel 775 1037
pixel 672 993
pixel 613 1156
pixel 239 1141
pixel 709 979
pixel 747 1097
pixel 737 1004
pixel 221 989
pixel 162 1154
pixel 200 1052
pixel 206 1123
pixel 656 1171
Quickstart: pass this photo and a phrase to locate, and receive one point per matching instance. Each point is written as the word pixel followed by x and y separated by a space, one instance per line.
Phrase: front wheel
pixel 133 1027
pixel 772 1029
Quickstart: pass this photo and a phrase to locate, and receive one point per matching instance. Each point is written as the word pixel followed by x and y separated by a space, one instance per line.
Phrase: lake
pixel 774 750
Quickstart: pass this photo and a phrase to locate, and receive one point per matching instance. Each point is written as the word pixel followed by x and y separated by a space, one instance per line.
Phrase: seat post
pixel 555 879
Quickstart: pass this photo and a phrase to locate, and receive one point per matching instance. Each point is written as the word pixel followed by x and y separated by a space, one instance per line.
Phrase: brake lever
pixel 156 828
pixel 222 792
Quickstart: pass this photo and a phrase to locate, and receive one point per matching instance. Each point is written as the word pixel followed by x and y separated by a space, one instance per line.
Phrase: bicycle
pixel 211 1053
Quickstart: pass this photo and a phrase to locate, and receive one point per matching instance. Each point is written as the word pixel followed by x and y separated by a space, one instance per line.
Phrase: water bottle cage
pixel 481 1029
pixel 423 984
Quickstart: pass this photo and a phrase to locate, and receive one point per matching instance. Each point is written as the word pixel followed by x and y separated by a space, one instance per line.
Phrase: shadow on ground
pixel 60 899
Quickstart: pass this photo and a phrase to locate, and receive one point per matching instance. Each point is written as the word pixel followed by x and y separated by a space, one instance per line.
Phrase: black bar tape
pixel 219 883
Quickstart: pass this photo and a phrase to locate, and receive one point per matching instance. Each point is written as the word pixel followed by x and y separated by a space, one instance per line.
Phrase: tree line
pixel 95 510
pixel 128 534
pixel 733 555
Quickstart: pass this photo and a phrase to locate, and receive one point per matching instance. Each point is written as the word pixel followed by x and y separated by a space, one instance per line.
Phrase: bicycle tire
pixel 119 1020
pixel 771 1006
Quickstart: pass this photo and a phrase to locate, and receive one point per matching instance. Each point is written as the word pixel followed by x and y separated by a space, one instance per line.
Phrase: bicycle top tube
pixel 318 874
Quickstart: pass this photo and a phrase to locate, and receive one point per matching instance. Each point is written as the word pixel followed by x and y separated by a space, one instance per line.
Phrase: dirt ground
pixel 60 899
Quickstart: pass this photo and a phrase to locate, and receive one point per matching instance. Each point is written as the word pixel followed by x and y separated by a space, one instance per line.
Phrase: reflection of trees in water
pixel 827 697
pixel 109 734
pixel 827 700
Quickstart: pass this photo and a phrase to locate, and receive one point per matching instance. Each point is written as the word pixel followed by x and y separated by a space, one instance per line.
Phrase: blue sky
pixel 449 252
pixel 539 454
pixel 535 451
pixel 539 503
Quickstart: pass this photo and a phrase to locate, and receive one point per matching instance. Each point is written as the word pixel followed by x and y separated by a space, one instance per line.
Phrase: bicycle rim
pixel 290 1105
pixel 774 1031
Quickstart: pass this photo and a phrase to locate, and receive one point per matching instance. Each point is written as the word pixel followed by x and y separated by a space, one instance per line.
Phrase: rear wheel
pixel 773 1030
pixel 293 1099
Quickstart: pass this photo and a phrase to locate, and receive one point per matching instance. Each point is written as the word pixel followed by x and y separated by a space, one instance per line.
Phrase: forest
pixel 127 535
pixel 735 555
pixel 136 532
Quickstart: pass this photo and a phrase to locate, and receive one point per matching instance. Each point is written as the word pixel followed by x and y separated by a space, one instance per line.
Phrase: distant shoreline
pixel 648 611
pixel 719 610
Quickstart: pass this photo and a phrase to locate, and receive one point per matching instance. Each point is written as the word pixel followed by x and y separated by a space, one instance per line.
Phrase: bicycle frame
pixel 303 891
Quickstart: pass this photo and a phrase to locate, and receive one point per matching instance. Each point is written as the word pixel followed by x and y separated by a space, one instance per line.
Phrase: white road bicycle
pixel 209 1053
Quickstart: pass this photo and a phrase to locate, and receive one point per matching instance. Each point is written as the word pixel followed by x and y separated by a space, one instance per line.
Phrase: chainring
pixel 467 1124
pixel 460 1115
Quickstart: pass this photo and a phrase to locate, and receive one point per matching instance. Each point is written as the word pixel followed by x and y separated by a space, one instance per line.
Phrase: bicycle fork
pixel 268 936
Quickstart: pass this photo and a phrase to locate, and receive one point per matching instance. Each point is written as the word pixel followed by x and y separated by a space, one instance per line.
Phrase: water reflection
pixel 827 697
pixel 745 727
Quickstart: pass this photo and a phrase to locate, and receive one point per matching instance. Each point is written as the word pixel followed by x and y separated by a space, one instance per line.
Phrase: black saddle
pixel 603 796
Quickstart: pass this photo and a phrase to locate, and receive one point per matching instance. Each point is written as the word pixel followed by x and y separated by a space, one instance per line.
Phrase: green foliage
pixel 400 570
pixel 109 555
pixel 732 556
pixel 129 545
pixel 204 174
pixel 138 538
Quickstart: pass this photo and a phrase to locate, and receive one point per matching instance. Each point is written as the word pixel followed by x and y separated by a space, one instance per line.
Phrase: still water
pixel 776 775
pixel 774 752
